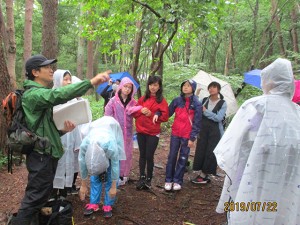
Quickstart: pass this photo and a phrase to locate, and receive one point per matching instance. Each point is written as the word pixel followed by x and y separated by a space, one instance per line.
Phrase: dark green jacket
pixel 39 99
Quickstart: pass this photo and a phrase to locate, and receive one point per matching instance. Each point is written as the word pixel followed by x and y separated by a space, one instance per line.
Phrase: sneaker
pixel 107 211
pixel 168 186
pixel 176 187
pixel 90 208
pixel 201 180
pixel 122 181
pixel 141 183
pixel 147 183
pixel 73 190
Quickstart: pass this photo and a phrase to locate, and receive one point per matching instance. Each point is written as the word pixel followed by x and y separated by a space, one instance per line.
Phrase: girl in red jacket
pixel 148 119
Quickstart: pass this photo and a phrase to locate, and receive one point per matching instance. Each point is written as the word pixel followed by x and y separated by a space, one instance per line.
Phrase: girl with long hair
pixel 148 120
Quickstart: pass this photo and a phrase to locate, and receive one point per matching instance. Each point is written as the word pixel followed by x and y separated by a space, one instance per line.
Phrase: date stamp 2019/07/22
pixel 250 206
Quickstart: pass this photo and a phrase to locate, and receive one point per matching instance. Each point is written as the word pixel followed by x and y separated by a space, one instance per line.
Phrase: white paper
pixel 77 112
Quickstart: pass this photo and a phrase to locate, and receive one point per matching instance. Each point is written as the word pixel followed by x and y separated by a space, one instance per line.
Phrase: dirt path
pixel 194 203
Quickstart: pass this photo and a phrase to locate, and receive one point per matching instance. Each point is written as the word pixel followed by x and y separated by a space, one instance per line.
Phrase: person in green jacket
pixel 38 101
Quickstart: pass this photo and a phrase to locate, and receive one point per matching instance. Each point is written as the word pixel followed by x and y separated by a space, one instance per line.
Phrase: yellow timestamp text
pixel 250 206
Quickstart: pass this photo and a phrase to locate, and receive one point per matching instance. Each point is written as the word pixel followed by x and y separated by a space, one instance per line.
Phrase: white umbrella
pixel 203 79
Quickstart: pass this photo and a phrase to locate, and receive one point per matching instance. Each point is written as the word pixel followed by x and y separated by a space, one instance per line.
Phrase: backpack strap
pixel 217 107
pixel 39 121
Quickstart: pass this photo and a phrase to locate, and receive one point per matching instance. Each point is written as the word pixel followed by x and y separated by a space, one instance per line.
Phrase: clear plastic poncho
pixel 68 163
pixel 260 153
pixel 106 134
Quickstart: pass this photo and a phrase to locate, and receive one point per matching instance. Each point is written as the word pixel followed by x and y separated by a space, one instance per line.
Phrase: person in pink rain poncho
pixel 121 107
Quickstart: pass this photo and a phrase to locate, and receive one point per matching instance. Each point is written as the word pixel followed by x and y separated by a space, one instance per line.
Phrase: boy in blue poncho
pixel 99 157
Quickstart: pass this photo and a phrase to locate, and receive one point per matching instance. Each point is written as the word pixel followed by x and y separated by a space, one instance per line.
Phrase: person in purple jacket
pixel 121 107
pixel 185 129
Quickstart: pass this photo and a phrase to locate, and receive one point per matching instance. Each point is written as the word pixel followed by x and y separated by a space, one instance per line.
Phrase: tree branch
pixel 148 7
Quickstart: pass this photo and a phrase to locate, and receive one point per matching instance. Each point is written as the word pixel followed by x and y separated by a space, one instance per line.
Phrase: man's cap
pixel 37 61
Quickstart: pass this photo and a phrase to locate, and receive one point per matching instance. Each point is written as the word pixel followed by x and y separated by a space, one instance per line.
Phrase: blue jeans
pixel 175 168
pixel 96 189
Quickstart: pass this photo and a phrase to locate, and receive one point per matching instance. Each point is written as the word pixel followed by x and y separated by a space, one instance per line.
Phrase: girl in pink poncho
pixel 121 107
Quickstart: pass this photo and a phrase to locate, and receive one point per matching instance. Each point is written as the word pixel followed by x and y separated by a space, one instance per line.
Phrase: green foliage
pixel 96 106
pixel 3 159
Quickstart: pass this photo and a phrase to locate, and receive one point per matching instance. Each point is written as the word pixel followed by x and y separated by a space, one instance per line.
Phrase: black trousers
pixel 207 140
pixel 147 146
pixel 41 169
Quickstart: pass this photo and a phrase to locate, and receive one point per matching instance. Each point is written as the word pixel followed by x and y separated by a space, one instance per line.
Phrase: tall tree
pixel 8 36
pixel 27 33
pixel 11 48
pixel 90 59
pixel 5 88
pixel 49 34
pixel 158 47
pixel 278 28
pixel 254 39
pixel 80 50
pixel 137 49
pixel 294 34
pixel 228 53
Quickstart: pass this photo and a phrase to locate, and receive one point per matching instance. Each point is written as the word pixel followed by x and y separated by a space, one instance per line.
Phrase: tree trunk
pixel 254 39
pixel 80 51
pixel 187 51
pixel 90 61
pixel 213 53
pixel 96 64
pixel 49 35
pixel 3 31
pixel 96 58
pixel 113 57
pixel 11 48
pixel 27 34
pixel 278 28
pixel 228 54
pixel 204 50
pixel 156 63
pixel 159 49
pixel 294 34
pixel 5 88
pixel 136 52
pixel 175 56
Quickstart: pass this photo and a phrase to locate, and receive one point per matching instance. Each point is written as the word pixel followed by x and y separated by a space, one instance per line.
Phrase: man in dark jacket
pixel 38 101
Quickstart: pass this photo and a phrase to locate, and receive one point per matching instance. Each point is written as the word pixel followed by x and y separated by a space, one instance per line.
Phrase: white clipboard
pixel 77 111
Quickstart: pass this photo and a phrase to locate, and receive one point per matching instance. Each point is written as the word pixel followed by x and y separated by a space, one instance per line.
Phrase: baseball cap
pixel 37 61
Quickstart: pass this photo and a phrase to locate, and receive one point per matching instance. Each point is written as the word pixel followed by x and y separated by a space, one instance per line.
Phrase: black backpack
pixel 216 109
pixel 61 213
pixel 20 140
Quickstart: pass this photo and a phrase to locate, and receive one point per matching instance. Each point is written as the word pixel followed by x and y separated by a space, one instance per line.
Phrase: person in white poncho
pixel 260 153
pixel 68 167
pixel 100 151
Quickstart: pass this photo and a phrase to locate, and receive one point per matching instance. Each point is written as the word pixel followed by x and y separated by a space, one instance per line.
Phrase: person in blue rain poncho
pixel 100 151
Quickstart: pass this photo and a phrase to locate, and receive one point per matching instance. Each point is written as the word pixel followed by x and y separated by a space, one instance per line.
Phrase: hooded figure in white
pixel 68 163
pixel 260 153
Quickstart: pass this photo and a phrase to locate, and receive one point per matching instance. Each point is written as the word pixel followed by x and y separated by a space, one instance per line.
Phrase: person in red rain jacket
pixel 148 119
pixel 185 129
